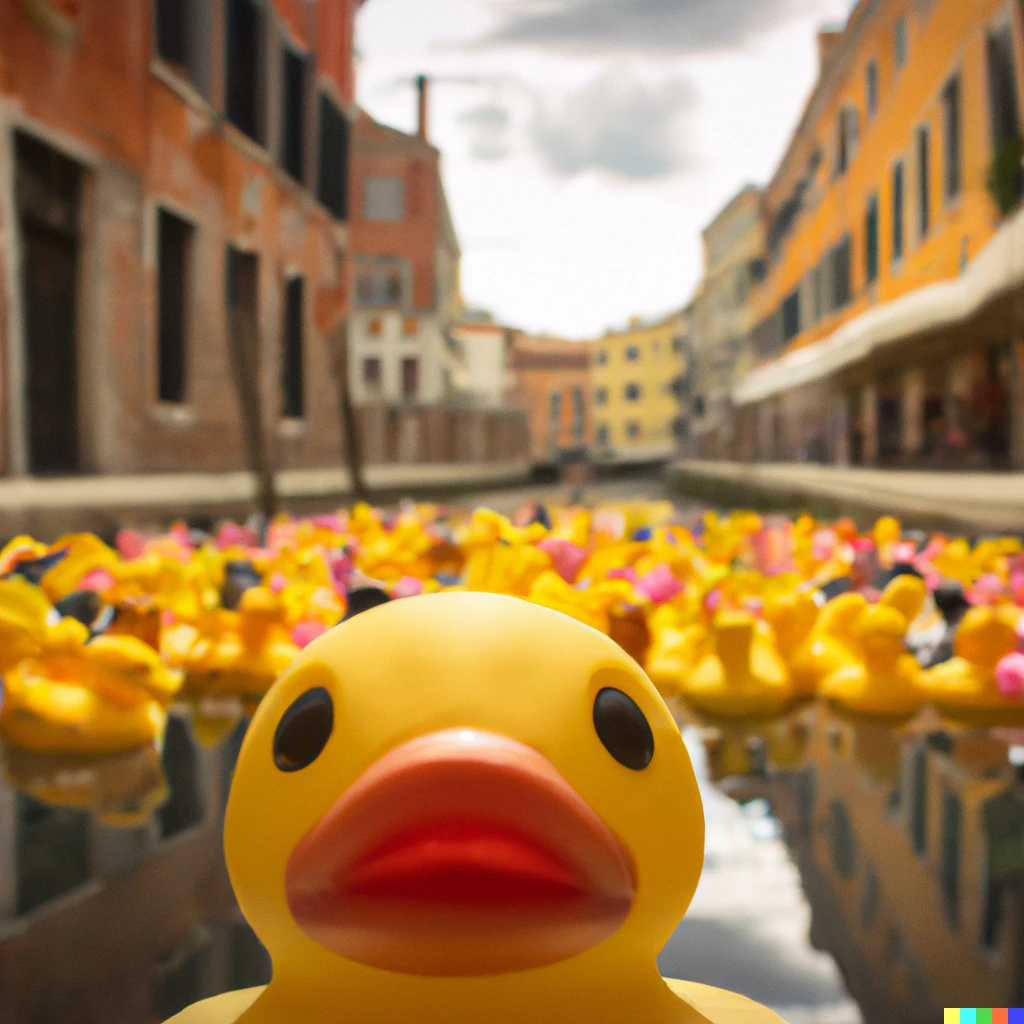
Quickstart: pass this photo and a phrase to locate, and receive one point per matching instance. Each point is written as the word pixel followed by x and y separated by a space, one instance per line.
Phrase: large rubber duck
pixel 884 684
pixel 743 677
pixel 460 808
pixel 965 689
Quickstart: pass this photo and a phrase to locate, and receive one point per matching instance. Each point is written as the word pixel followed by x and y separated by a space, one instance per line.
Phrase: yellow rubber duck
pixel 964 689
pixel 674 652
pixel 237 653
pixel 885 683
pixel 432 820
pixel 830 646
pixel 792 615
pixel 26 619
pixel 75 698
pixel 743 677
pixel 907 594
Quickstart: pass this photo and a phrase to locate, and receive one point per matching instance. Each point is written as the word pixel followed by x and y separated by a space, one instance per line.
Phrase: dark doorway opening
pixel 47 188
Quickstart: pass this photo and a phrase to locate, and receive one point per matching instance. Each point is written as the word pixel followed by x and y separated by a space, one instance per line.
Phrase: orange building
pixel 889 323
pixel 549 380
pixel 173 251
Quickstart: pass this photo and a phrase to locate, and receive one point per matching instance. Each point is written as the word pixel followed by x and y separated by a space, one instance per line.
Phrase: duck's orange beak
pixel 460 853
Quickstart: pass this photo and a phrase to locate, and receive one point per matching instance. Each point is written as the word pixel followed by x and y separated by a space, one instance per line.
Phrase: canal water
pixel 852 873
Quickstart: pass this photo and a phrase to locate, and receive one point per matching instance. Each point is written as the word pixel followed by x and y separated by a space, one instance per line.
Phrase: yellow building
pixel 636 378
pixel 889 320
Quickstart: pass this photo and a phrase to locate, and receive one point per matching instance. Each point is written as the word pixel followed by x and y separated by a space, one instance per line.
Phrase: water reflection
pixel 115 907
pixel 910 847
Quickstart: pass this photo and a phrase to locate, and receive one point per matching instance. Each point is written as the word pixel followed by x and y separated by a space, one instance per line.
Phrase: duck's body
pixel 830 645
pixel 885 684
pixel 687 1002
pixel 463 808
pixel 744 679
pixel 965 688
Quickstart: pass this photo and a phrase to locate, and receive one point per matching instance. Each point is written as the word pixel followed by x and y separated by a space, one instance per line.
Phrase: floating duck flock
pixel 739 620
pixel 471 800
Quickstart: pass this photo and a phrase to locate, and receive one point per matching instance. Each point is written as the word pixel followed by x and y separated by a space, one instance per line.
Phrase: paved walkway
pixel 49 507
pixel 975 502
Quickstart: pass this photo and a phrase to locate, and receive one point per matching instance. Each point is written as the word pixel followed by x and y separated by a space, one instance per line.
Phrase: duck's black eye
pixel 304 730
pixel 623 729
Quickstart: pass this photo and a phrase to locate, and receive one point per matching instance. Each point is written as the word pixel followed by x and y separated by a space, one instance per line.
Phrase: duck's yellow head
pixel 459 786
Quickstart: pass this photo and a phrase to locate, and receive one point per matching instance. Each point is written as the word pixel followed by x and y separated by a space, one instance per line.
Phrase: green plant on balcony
pixel 1006 175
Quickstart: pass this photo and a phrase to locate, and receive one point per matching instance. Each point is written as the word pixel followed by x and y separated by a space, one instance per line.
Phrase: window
pixel 897 212
pixel 632 392
pixel 555 415
pixel 919 802
pixel 871 240
pixel 814 287
pixel 293 404
pixel 183 808
pixel 174 247
pixel 679 427
pixel 632 354
pixel 294 78
pixel 601 396
pixel 372 377
pixel 602 358
pixel 52 852
pixel 244 89
pixel 949 866
pixel 677 346
pixel 633 430
pixel 379 287
pixel 332 188
pixel 183 29
pixel 847 132
pixel 842 840
pixel 1002 83
pixel 872 898
pixel 384 198
pixel 842 290
pixel 871 84
pixel 791 316
pixel 410 378
pixel 924 181
pixel 578 414
pixel 900 44
pixel 602 434
pixel 952 109
pixel 410 327
pixel 375 328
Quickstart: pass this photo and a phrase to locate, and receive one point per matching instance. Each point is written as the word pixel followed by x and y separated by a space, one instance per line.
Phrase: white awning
pixel 997 269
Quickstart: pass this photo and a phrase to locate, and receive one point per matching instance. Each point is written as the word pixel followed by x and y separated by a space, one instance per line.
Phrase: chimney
pixel 423 88
pixel 828 44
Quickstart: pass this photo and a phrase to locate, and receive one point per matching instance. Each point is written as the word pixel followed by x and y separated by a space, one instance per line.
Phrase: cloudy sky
pixel 587 142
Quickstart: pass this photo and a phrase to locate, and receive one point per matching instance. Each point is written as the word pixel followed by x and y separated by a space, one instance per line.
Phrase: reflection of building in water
pixel 911 853
pixel 104 925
